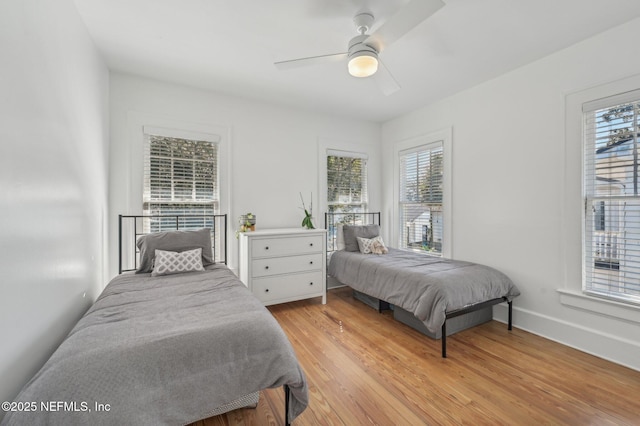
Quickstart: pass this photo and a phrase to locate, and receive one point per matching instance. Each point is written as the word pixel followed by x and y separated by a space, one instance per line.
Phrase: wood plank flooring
pixel 365 368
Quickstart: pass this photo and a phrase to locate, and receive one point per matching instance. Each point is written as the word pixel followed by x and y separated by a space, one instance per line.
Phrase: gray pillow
pixel 173 241
pixel 352 232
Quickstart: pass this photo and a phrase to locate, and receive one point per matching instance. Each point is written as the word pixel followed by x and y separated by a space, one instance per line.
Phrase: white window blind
pixel 421 190
pixel 612 197
pixel 346 182
pixel 180 178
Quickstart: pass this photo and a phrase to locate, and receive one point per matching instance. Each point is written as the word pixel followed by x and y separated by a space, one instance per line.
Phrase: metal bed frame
pixel 178 222
pixel 374 218
pixel 219 226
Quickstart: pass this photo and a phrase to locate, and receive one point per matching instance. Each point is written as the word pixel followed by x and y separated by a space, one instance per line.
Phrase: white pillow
pixel 373 245
pixel 172 262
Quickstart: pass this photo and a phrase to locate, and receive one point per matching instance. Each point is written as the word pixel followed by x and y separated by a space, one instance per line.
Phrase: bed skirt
pixel 247 401
pixel 367 300
pixel 454 325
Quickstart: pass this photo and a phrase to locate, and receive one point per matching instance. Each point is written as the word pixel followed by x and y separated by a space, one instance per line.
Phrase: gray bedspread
pixel 426 286
pixel 163 350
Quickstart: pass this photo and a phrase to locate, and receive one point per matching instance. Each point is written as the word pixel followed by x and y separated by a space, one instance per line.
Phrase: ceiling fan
pixel 364 49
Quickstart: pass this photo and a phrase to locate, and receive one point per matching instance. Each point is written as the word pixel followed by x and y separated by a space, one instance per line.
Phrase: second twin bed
pixel 425 291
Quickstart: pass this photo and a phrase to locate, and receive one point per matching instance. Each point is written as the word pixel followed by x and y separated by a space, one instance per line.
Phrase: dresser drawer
pixel 285 246
pixel 288 286
pixel 285 265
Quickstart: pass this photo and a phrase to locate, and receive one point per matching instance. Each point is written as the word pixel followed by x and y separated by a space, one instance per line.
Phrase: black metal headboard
pixel 331 220
pixel 130 227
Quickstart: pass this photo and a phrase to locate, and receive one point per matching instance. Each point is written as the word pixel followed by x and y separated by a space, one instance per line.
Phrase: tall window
pixel 612 197
pixel 421 190
pixel 346 182
pixel 180 178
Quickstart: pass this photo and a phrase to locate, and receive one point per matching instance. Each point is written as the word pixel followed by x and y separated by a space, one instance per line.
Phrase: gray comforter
pixel 163 350
pixel 426 286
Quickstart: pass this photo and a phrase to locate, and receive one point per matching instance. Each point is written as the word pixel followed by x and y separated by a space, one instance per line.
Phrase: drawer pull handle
pixel 266 291
pixel 311 263
pixel 266 267
pixel 266 248
pixel 311 245
pixel 311 283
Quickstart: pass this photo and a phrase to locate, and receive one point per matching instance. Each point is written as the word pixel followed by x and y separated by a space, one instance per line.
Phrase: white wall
pixel 53 181
pixel 511 180
pixel 273 150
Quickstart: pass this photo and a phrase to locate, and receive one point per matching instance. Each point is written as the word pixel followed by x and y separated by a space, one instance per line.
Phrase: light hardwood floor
pixel 366 368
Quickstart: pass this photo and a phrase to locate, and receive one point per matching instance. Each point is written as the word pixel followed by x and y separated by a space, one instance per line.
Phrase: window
pixel 180 178
pixel 346 182
pixel 421 198
pixel 612 197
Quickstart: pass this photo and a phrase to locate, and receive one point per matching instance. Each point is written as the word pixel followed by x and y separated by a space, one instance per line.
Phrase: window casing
pixel 180 178
pixel 611 182
pixel 346 182
pixel 421 198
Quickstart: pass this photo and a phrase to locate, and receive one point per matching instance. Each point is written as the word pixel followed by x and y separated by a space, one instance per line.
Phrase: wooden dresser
pixel 283 265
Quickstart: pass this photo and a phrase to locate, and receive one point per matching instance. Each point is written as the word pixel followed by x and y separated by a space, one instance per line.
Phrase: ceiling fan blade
pixel 312 60
pixel 402 22
pixel 385 80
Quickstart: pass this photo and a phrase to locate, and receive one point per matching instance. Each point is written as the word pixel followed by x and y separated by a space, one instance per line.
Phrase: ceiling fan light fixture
pixel 363 64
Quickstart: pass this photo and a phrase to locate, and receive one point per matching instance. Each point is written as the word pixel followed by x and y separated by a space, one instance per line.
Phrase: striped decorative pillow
pixel 172 262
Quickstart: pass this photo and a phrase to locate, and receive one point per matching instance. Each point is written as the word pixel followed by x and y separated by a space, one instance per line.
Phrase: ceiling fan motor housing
pixel 363 59
pixel 356 45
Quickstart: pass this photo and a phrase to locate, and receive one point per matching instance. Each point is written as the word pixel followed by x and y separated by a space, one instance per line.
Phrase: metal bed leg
pixel 119 244
pixel 444 339
pixel 286 405
pixel 510 314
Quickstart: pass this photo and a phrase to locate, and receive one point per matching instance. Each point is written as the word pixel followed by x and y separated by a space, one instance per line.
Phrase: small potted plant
pixel 308 214
pixel 247 222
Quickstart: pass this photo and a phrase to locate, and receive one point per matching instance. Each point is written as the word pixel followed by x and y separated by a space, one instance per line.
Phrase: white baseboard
pixel 606 346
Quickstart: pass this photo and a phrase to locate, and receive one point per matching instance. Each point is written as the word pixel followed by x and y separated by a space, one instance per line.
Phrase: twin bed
pixel 425 292
pixel 164 347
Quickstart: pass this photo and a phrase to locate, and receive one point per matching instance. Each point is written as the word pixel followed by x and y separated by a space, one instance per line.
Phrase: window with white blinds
pixel 421 195
pixel 346 182
pixel 612 197
pixel 180 178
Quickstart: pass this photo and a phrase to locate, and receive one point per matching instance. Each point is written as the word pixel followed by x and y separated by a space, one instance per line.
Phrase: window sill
pixel 601 306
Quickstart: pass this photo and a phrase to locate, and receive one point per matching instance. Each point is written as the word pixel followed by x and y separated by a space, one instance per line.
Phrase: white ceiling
pixel 229 46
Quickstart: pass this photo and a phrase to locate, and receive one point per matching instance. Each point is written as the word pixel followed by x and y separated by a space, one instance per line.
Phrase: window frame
pixel 150 131
pixel 429 150
pixel 365 179
pixel 443 136
pixel 600 244
pixel 572 208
